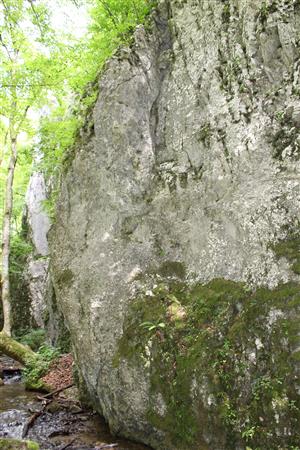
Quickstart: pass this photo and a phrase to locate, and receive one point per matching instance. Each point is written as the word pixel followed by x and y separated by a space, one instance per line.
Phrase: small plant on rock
pixel 151 326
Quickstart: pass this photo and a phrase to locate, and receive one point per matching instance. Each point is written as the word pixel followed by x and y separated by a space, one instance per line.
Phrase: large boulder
pixel 175 252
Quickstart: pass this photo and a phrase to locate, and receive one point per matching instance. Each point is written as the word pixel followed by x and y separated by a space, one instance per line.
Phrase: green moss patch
pixel 37 366
pixel 15 444
pixel 34 338
pixel 290 248
pixel 227 365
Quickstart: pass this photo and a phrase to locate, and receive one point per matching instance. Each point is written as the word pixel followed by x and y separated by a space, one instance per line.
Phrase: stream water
pixel 53 430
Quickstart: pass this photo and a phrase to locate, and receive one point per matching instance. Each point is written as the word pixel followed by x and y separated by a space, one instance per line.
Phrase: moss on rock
pixel 15 444
pixel 290 248
pixel 228 369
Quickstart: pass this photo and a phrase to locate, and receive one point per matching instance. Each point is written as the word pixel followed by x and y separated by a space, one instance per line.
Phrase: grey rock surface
pixel 36 277
pixel 37 219
pixel 38 225
pixel 194 160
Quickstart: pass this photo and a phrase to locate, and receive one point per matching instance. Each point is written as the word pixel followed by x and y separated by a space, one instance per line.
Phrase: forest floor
pixel 57 421
pixel 60 373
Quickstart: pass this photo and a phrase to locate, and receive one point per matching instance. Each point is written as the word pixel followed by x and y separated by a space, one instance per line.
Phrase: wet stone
pixel 56 427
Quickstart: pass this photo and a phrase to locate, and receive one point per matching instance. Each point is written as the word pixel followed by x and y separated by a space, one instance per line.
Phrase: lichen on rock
pixel 230 365
pixel 174 255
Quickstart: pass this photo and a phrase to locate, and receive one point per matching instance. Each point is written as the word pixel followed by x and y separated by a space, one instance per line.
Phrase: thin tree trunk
pixel 5 289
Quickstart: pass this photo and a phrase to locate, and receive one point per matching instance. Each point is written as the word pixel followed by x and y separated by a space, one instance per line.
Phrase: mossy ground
pixel 228 365
pixel 15 444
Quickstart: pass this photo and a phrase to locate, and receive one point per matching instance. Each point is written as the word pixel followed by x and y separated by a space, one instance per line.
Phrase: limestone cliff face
pixel 29 281
pixel 38 224
pixel 33 295
pixel 189 174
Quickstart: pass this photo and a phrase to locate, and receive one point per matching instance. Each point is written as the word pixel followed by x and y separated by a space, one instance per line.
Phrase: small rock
pixel 176 312
pixel 75 409
pixel 54 407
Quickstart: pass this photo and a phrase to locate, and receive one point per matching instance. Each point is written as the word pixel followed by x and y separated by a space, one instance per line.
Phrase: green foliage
pixel 248 433
pixel 112 24
pixel 21 179
pixel 205 133
pixel 289 248
pixel 150 326
pixel 34 338
pixel 24 83
pixel 226 12
pixel 57 135
pixel 24 74
pixel 280 116
pixel 53 74
pixel 49 205
pixel 267 8
pixel 38 366
pixel 20 249
pixel 264 12
pixel 265 385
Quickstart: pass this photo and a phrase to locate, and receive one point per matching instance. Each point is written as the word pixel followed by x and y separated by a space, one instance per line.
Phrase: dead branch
pixel 57 391
pixel 29 424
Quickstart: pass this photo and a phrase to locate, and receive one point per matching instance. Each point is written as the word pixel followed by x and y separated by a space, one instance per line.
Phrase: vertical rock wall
pixel 38 225
pixel 190 175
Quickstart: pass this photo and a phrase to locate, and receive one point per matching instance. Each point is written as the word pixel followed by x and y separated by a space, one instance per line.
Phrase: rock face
pixel 38 289
pixel 188 175
pixel 29 282
pixel 38 224
pixel 37 219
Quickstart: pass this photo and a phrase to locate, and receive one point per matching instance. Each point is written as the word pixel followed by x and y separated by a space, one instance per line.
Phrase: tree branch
pixel 109 11
pixel 6 48
pixel 22 119
pixel 36 16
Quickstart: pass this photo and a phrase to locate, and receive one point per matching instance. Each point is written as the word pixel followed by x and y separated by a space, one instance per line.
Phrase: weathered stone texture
pixel 38 224
pixel 192 171
pixel 37 219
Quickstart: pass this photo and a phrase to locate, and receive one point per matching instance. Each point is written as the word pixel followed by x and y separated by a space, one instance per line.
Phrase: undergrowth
pixel 38 366
pixel 34 338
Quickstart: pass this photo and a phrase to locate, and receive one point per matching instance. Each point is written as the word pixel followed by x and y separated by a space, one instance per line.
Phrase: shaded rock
pixel 37 218
pixel 9 367
pixel 36 277
pixel 37 224
pixel 40 296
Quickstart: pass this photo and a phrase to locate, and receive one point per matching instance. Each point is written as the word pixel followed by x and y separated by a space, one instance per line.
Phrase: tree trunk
pixel 14 349
pixel 5 289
